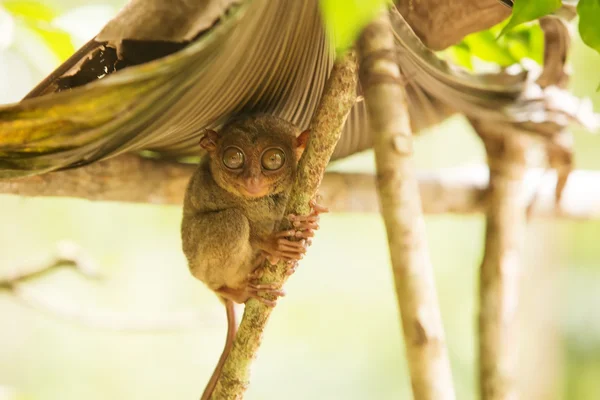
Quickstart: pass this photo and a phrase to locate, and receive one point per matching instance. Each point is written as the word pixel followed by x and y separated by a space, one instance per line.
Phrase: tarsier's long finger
pixel 292 265
pixel 303 226
pixel 265 286
pixel 303 218
pixel 256 274
pixel 304 234
pixel 273 292
pixel 289 256
pixel 317 208
pixel 272 259
pixel 284 244
pixel 284 234
pixel 270 303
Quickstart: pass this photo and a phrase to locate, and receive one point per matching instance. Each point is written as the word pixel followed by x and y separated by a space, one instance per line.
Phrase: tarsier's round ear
pixel 302 139
pixel 208 141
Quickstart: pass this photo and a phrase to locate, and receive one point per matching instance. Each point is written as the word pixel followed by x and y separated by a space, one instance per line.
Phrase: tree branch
pixel 69 255
pixel 129 178
pixel 326 127
pixel 500 268
pixel 385 99
pixel 126 178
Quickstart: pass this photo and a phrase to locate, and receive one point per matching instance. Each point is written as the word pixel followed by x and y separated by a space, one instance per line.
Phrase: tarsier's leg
pixel 251 288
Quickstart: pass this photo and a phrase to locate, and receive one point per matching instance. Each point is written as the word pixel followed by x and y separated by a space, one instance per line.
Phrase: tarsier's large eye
pixel 273 159
pixel 233 158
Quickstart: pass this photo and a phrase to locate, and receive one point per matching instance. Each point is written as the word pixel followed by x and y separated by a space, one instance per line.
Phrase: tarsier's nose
pixel 253 185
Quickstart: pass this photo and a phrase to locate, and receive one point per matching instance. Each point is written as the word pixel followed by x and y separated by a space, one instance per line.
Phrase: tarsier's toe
pixel 271 289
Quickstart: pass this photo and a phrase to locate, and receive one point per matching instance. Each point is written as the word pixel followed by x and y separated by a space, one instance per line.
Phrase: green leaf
pixel 461 55
pixel 589 22
pixel 485 46
pixel 524 41
pixel 38 18
pixel 528 10
pixel 345 19
pixel 56 39
pixel 29 9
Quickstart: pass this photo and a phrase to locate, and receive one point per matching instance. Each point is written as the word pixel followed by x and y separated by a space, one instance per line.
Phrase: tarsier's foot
pixel 269 289
pixel 281 247
pixel 251 291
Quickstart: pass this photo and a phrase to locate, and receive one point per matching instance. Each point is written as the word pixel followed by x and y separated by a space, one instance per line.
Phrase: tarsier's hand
pixel 304 227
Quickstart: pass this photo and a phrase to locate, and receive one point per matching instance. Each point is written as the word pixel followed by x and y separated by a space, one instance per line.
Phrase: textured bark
pixel 326 128
pixel 385 98
pixel 500 269
pixel 129 178
pixel 126 178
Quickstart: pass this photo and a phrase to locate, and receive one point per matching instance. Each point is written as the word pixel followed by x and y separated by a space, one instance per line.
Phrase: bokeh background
pixel 336 334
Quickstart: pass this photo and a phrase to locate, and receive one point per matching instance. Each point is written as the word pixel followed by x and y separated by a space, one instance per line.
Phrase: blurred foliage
pixel 345 19
pixel 589 22
pixel 526 41
pixel 529 10
pixel 324 333
pixel 39 18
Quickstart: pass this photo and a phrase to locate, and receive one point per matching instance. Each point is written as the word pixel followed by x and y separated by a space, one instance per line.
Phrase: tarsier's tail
pixel 231 331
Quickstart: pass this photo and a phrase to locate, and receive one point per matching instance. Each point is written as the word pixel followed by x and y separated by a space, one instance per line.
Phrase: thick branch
pixel 397 182
pixel 129 178
pixel 338 98
pixel 500 268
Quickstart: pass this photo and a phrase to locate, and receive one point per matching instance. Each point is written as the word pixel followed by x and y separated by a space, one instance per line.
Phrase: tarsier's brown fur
pixel 230 214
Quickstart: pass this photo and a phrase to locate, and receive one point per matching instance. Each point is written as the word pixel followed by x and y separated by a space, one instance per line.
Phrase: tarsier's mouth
pixel 254 190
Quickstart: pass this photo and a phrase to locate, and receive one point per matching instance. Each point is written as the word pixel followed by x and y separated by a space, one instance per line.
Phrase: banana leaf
pixel 161 72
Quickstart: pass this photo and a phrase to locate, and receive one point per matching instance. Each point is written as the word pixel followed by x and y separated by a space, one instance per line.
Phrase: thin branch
pixel 69 255
pixel 326 128
pixel 397 182
pixel 500 268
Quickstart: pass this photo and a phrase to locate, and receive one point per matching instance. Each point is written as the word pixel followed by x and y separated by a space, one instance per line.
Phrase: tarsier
pixel 233 206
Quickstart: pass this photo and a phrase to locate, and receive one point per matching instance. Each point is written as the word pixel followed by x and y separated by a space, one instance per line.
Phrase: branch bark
pixel 500 269
pixel 129 178
pixel 385 98
pixel 338 98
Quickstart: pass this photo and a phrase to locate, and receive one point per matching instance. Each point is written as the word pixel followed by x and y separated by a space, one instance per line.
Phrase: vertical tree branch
pixel 385 98
pixel 338 98
pixel 500 268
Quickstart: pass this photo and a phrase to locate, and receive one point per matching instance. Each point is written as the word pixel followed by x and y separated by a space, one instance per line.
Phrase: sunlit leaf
pixel 524 41
pixel 56 39
pixel 38 18
pixel 589 22
pixel 461 55
pixel 346 18
pixel 485 46
pixel 528 10
pixel 536 43
pixel 29 9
